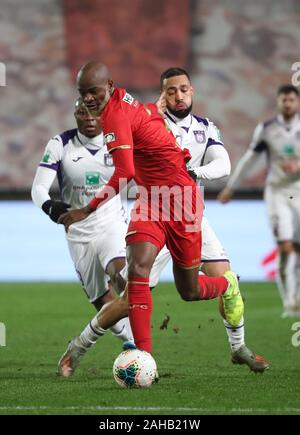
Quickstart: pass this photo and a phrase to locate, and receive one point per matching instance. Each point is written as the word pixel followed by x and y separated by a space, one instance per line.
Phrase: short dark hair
pixel 287 89
pixel 172 72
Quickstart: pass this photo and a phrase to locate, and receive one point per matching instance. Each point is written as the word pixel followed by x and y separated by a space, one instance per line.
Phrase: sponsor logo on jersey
pixel 77 158
pixel 46 157
pixel 109 137
pixel 199 136
pixel 288 150
pixel 92 178
pixel 128 98
pixel 108 160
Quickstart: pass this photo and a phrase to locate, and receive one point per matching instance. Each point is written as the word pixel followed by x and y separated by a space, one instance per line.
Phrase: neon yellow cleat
pixel 232 300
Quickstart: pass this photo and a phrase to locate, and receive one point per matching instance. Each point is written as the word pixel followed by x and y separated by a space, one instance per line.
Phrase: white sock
pixel 91 333
pixel 287 279
pixel 298 280
pixel 122 330
pixel 280 277
pixel 236 336
pixel 290 278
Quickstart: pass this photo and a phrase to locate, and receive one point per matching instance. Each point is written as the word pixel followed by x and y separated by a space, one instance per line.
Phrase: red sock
pixel 139 311
pixel 212 287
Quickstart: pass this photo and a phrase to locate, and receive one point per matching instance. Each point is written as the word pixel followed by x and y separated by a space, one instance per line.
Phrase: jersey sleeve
pixel 214 135
pixel 248 160
pixel 151 109
pixel 52 154
pixel 258 143
pixel 41 185
pixel 117 130
pixel 46 171
pixel 216 164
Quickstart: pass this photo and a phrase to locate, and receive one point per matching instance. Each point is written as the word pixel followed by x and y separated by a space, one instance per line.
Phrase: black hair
pixel 287 89
pixel 172 72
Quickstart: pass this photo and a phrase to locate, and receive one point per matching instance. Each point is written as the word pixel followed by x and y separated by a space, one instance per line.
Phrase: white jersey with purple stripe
pixel 200 137
pixel 83 165
pixel 281 141
pixel 196 134
pixel 210 161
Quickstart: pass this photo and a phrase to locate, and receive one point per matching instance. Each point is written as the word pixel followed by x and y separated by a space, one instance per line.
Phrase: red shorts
pixel 181 234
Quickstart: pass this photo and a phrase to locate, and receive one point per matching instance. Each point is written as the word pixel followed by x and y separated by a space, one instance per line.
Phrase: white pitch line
pixel 104 408
pixel 136 408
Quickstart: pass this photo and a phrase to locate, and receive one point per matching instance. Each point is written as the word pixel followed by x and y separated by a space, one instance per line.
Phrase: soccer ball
pixel 135 369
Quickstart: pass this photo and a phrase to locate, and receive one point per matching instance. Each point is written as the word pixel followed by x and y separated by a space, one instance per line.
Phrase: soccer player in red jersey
pixel 142 148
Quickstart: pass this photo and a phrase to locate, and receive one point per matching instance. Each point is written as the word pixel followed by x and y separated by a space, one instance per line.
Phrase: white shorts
pixel 212 251
pixel 92 258
pixel 283 206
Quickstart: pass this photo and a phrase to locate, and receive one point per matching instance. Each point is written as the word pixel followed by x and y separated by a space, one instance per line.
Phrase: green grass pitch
pixel 196 375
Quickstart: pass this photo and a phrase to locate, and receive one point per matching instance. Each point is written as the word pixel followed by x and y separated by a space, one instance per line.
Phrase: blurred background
pixel 237 53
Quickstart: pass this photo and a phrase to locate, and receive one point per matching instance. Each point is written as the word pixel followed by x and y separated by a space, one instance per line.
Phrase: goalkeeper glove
pixel 55 208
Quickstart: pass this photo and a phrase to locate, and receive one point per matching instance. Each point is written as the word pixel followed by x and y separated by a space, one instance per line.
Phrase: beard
pixel 181 113
pixel 289 113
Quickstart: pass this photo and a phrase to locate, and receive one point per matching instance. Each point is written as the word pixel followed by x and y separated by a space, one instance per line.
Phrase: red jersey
pixel 142 147
pixel 127 123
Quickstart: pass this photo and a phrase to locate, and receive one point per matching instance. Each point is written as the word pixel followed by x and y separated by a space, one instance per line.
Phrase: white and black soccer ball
pixel 135 369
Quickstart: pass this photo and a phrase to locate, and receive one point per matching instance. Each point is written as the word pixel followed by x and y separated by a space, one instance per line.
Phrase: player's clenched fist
pixel 54 209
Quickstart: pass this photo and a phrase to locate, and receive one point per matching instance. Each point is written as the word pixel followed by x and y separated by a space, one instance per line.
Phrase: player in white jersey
pixel 279 139
pixel 82 164
pixel 203 140
pixel 210 161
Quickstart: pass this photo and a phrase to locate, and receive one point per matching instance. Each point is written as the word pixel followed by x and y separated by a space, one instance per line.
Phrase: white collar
pixel 96 142
pixel 181 122
pixel 289 124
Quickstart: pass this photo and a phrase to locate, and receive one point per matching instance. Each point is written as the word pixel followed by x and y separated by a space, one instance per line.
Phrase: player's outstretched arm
pixel 238 174
pixel 257 146
pixel 225 195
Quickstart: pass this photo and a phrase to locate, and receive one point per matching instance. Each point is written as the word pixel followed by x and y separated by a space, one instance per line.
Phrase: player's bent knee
pixel 138 269
pixel 188 296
